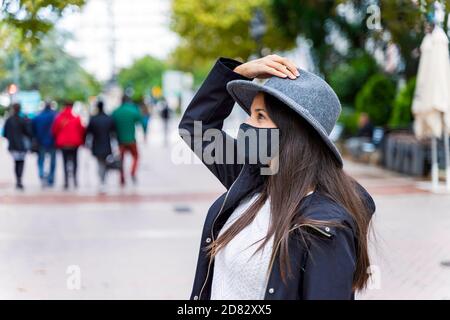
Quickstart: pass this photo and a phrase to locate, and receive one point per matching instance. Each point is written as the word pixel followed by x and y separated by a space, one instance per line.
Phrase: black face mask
pixel 256 146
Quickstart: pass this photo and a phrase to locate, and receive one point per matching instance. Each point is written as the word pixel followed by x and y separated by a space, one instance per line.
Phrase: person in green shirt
pixel 126 117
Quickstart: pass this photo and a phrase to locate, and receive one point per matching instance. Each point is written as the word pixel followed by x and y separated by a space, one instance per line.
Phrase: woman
pixel 299 232
pixel 18 133
pixel 69 135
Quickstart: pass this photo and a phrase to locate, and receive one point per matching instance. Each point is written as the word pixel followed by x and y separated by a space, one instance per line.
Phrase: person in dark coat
pixel 101 129
pixel 165 114
pixel 292 224
pixel 18 133
pixel 42 132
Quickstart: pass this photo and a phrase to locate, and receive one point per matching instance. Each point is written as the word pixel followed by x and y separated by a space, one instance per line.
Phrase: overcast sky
pixel 141 27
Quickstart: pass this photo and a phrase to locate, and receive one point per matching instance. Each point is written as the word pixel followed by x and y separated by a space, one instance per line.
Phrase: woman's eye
pixel 260 116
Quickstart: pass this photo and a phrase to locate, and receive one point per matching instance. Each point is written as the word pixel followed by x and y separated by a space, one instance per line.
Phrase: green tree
pixel 211 28
pixel 9 38
pixel 321 22
pixel 348 78
pixel 23 23
pixel 404 20
pixel 53 72
pixel 142 75
pixel 34 18
pixel 401 112
pixel 376 98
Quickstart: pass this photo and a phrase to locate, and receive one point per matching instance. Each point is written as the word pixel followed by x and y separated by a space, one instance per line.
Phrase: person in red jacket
pixel 69 134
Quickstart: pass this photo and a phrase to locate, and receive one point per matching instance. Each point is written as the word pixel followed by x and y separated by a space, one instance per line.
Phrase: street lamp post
pixel 258 29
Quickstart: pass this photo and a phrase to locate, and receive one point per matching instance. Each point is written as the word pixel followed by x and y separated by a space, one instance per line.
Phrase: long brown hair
pixel 305 163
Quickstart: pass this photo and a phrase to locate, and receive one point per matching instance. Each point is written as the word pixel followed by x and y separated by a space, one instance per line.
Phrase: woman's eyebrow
pixel 260 109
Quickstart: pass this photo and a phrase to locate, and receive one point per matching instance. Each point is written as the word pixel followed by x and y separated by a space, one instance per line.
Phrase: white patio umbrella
pixel 431 104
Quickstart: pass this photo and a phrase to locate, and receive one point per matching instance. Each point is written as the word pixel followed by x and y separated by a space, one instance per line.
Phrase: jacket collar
pixel 248 182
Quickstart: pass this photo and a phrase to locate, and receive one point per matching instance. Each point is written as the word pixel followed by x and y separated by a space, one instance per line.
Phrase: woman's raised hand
pixel 268 66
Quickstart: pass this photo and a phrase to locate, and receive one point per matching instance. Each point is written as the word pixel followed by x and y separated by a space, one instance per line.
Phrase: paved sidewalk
pixel 410 237
pixel 141 242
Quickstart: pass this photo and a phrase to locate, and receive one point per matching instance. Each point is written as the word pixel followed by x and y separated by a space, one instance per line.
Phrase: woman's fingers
pixel 285 61
pixel 292 67
pixel 281 67
pixel 272 65
pixel 273 71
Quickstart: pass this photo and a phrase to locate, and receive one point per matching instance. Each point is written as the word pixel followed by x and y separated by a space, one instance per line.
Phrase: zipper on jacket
pixel 296 226
pixel 212 230
pixel 327 234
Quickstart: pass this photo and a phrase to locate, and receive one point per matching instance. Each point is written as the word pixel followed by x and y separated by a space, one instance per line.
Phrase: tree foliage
pixel 51 71
pixel 211 28
pixel 35 18
pixel 327 23
pixel 404 20
pixel 142 75
pixel 348 78
pixel 401 112
pixel 376 98
pixel 323 24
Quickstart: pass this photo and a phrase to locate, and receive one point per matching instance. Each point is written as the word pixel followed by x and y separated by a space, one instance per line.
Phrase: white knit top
pixel 237 275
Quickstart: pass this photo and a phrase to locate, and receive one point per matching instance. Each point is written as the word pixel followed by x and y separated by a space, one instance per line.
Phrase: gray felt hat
pixel 308 95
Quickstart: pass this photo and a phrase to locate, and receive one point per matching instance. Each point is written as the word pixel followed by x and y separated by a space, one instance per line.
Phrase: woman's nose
pixel 251 122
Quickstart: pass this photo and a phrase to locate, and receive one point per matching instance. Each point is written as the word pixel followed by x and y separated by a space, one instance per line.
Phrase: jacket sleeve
pixel 26 128
pixel 138 118
pixel 33 127
pixel 55 126
pixel 112 129
pixel 88 130
pixel 366 198
pixel 330 266
pixel 6 129
pixel 81 128
pixel 210 106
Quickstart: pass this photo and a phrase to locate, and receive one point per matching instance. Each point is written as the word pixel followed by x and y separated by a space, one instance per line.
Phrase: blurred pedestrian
pixel 146 115
pixel 69 134
pixel 364 135
pixel 101 129
pixel 42 132
pixel 365 126
pixel 126 117
pixel 165 116
pixel 18 133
